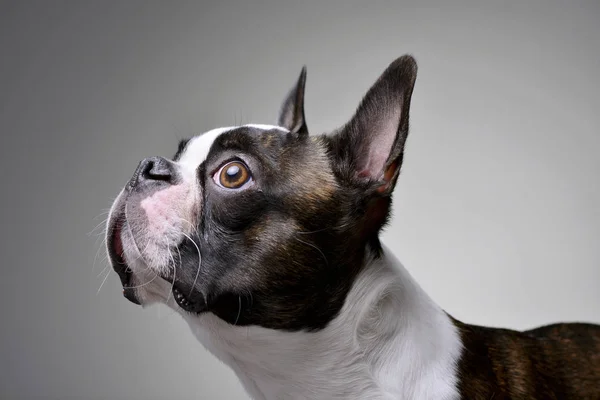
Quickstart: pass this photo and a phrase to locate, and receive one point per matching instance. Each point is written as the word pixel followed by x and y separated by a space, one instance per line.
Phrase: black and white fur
pixel 285 280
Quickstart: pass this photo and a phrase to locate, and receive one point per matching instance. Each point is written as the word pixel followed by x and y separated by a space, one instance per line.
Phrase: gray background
pixel 497 212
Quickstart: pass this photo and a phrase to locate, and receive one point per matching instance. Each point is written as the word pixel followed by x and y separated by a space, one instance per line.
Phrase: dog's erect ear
pixel 371 144
pixel 291 115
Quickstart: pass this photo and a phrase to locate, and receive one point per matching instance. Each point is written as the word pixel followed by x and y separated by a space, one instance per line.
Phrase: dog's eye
pixel 233 175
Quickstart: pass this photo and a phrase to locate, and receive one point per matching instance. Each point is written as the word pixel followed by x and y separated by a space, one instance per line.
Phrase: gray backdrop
pixel 496 214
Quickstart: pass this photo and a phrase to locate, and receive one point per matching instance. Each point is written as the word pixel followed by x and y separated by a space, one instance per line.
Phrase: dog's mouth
pixel 187 299
pixel 184 294
pixel 191 306
pixel 115 251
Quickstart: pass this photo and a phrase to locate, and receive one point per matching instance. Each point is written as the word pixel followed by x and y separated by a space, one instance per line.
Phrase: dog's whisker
pixel 169 252
pixel 195 230
pixel 174 269
pixel 105 211
pixel 103 270
pixel 316 248
pixel 145 266
pixel 251 299
pixel 103 281
pixel 192 226
pixel 174 273
pixel 341 226
pixel 102 240
pixel 315 231
pixel 140 254
pixel 239 310
pixel 102 225
pixel 199 261
pixel 100 248
pixel 145 283
pixel 133 238
pixel 102 214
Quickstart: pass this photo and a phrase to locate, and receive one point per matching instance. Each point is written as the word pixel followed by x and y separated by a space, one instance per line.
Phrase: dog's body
pixel 265 239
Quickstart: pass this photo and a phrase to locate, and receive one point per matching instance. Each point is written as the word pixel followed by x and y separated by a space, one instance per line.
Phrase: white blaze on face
pixel 197 149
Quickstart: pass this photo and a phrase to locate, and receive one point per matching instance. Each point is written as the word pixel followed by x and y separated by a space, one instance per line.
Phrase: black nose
pixel 153 170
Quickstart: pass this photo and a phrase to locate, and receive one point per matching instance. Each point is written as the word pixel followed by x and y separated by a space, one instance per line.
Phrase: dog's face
pixel 264 225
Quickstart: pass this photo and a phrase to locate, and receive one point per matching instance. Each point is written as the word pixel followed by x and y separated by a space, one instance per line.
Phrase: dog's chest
pixel 324 365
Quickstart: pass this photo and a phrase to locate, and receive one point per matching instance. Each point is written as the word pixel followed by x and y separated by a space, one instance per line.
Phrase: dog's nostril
pixel 156 171
pixel 153 169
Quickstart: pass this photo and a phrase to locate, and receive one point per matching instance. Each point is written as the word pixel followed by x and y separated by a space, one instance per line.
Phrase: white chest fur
pixel 390 341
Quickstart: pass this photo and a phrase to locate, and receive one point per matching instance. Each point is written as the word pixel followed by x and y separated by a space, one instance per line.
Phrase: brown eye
pixel 233 175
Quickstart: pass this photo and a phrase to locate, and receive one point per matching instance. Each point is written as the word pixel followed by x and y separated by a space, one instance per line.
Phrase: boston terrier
pixel 266 240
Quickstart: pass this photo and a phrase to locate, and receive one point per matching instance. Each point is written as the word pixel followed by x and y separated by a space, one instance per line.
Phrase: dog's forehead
pixel 197 149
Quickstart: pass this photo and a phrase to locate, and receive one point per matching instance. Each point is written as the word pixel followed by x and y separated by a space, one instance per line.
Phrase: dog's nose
pixel 153 170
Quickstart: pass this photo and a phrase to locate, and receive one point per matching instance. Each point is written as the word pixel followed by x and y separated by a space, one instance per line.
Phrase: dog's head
pixel 264 225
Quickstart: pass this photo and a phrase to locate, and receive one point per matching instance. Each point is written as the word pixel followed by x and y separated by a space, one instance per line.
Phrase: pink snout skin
pixel 166 209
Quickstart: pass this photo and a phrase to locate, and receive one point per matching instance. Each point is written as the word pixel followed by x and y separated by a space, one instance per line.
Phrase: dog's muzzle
pixel 130 224
pixel 152 174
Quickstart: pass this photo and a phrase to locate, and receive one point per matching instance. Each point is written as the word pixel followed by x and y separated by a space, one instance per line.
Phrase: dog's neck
pixel 390 340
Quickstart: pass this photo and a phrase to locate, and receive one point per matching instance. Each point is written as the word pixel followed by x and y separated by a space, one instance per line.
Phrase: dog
pixel 266 240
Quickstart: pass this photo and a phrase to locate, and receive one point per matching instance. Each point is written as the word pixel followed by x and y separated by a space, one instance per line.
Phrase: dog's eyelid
pixel 235 159
pixel 228 160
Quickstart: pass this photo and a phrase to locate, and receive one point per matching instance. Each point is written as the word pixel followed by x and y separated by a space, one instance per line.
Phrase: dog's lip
pixel 189 300
pixel 183 301
pixel 115 252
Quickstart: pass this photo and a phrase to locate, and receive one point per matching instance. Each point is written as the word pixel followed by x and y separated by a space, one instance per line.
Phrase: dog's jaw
pixel 390 341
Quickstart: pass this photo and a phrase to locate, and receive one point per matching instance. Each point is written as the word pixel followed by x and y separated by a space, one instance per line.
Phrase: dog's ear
pixel 371 144
pixel 291 115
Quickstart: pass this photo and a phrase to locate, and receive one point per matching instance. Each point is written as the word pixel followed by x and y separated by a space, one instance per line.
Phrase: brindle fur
pixel 553 362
